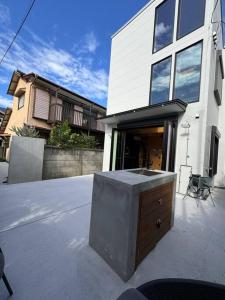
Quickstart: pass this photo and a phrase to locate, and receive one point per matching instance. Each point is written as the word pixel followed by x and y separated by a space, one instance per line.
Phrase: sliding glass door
pixel 117 150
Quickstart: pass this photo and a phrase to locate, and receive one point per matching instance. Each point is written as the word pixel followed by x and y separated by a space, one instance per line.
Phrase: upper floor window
pixel 160 81
pixel 21 101
pixel 164 24
pixel 191 16
pixel 188 73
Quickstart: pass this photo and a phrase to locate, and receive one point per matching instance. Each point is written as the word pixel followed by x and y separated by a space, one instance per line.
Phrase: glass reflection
pixel 164 24
pixel 160 85
pixel 188 74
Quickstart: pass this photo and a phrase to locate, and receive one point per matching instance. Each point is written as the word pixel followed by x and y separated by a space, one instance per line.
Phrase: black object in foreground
pixel 176 289
pixel 2 274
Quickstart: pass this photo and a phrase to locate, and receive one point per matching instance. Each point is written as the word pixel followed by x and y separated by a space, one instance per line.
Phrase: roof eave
pixel 140 112
pixel 14 81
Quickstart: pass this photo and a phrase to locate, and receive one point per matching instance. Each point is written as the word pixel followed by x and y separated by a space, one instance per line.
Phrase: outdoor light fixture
pixel 186 125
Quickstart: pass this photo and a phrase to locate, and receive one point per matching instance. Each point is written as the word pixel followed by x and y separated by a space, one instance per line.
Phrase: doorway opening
pixel 151 147
pixel 144 148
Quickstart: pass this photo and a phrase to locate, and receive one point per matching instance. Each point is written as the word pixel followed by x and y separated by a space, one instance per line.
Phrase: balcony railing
pixel 76 116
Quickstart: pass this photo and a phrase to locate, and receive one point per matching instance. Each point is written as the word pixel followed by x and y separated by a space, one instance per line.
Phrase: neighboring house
pixel 41 103
pixel 2 112
pixel 165 102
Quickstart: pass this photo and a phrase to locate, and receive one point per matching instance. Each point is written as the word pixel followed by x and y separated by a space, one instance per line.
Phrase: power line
pixel 18 31
pixel 214 10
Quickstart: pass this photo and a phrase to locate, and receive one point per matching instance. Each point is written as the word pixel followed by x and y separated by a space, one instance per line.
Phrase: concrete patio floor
pixel 44 229
pixel 3 171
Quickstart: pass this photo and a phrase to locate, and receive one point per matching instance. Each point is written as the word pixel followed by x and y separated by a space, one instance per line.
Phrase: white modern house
pixel 166 108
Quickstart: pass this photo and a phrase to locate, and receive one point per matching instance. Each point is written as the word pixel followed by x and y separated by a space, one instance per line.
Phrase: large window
pixel 188 74
pixel 191 16
pixel 160 81
pixel 164 23
pixel 21 101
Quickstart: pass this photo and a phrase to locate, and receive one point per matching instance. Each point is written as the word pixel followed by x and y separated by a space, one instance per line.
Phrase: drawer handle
pixel 158 223
pixel 160 201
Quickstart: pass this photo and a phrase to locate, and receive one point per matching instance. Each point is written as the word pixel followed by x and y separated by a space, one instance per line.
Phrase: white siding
pixel 129 83
pixel 220 177
pixel 131 59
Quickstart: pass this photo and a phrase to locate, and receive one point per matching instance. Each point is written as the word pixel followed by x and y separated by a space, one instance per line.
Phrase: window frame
pixel 174 22
pixel 178 21
pixel 175 67
pixel 214 151
pixel 22 95
pixel 171 68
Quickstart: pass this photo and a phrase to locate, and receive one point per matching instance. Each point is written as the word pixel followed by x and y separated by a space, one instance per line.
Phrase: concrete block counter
pixel 131 211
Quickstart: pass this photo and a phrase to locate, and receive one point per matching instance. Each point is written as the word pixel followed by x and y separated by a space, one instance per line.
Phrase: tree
pixel 26 131
pixel 61 136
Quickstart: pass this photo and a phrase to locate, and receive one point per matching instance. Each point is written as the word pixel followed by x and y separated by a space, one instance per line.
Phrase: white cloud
pixel 188 66
pixel 160 83
pixel 76 72
pixel 4 102
pixel 90 42
pixel 160 33
pixel 161 29
pixel 4 80
pixel 4 15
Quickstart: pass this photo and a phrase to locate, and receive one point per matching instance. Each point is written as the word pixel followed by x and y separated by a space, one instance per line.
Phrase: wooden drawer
pixel 151 235
pixel 149 244
pixel 155 212
pixel 151 226
pixel 156 198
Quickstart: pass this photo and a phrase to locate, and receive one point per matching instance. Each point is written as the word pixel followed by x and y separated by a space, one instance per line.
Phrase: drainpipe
pixel 31 88
pixel 89 123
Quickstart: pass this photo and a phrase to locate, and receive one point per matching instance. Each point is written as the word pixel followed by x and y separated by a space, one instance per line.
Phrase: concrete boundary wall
pixel 60 163
pixel 25 159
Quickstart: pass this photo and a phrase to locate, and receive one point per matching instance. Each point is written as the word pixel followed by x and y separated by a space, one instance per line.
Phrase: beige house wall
pixel 19 116
pixel 24 115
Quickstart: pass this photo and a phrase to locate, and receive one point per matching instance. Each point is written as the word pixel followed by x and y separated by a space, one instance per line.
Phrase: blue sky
pixel 66 41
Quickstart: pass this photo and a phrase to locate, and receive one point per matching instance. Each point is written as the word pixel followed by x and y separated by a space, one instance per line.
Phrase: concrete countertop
pixel 115 215
pixel 138 182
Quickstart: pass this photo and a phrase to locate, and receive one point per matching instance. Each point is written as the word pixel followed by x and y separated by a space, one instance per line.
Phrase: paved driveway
pixel 44 230
pixel 3 171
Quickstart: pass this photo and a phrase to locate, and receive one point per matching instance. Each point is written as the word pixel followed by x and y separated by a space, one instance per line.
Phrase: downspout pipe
pixel 31 87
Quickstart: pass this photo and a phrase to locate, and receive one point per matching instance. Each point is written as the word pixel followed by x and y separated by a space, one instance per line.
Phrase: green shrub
pixel 82 141
pixel 61 136
pixel 27 131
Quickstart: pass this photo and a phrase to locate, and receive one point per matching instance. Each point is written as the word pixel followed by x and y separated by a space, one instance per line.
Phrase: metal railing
pixel 82 118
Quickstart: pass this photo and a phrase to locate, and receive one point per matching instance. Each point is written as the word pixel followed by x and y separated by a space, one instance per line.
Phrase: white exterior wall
pixel 213 110
pixel 129 80
pixel 107 147
pixel 220 177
